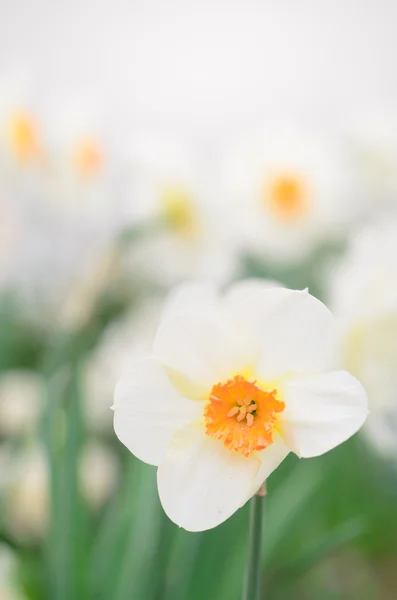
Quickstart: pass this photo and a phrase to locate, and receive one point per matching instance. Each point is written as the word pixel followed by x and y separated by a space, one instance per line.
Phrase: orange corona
pixel 287 196
pixel 88 158
pixel 242 415
pixel 24 137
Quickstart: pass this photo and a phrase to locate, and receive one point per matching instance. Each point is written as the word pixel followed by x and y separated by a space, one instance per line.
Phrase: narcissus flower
pixel 234 384
pixel 82 179
pixel 171 185
pixel 21 393
pixel 363 294
pixel 20 130
pixel 9 570
pixel 27 495
pixel 372 143
pixel 98 473
pixel 290 191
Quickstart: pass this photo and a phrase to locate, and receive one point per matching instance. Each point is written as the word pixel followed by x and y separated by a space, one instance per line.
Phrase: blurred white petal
pixel 270 459
pixel 189 295
pixel 203 347
pixel 322 411
pixel 295 331
pixel 201 483
pixel 148 410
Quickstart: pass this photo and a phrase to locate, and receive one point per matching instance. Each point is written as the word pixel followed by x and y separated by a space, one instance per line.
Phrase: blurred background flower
pixel 371 141
pixel 128 339
pixel 174 190
pixel 289 192
pixel 27 497
pixel 364 292
pixel 21 397
pixel 144 143
pixel 8 575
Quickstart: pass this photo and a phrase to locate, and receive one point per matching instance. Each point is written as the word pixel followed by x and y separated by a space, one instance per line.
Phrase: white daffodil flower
pixel 98 472
pixel 289 190
pixel 27 494
pixel 21 394
pixel 9 568
pixel 234 384
pixel 49 265
pixel 67 216
pixel 372 143
pixel 82 182
pixel 170 184
pixel 363 295
pixel 20 136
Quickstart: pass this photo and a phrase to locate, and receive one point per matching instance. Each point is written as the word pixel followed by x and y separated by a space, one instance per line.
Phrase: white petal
pixel 270 459
pixel 242 291
pixel 189 295
pixel 201 483
pixel 322 411
pixel 148 410
pixel 248 301
pixel 297 333
pixel 204 347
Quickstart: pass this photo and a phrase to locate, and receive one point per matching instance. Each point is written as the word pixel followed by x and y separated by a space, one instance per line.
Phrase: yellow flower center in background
pixel 177 208
pixel 287 196
pixel 88 158
pixel 242 415
pixel 24 137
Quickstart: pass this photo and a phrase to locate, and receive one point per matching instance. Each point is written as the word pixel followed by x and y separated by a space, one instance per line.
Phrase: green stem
pixel 253 574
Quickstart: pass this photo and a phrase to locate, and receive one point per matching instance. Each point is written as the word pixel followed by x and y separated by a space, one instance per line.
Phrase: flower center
pixel 242 415
pixel 23 137
pixel 88 158
pixel 287 196
pixel 178 210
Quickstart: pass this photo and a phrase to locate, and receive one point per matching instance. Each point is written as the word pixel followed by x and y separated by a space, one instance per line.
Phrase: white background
pixel 208 66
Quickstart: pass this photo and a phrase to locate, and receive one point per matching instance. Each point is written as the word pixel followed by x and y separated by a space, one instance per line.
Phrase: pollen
pixel 177 208
pixel 287 196
pixel 242 415
pixel 24 138
pixel 88 158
